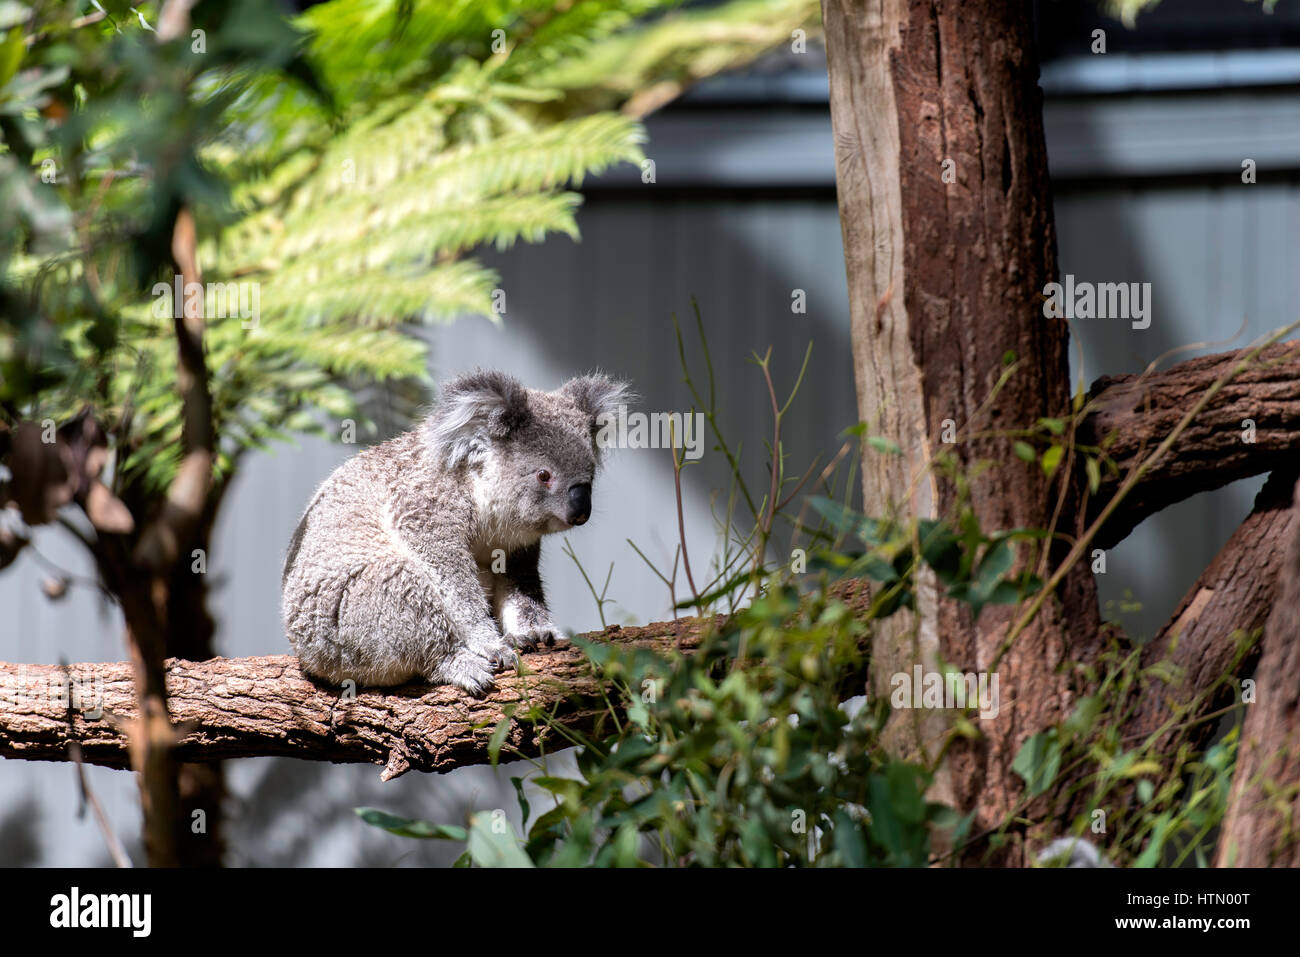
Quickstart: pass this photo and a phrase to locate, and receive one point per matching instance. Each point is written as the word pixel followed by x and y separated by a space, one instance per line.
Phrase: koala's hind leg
pixel 403 622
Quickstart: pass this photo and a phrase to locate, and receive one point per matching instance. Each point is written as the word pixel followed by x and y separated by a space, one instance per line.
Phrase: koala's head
pixel 531 456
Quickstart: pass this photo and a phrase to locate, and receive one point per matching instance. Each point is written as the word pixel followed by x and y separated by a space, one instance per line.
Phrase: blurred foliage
pixel 342 166
pixel 751 752
pixel 739 754
pixel 1128 11
pixel 743 753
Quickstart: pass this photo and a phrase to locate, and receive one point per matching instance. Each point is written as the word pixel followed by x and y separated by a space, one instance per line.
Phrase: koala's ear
pixel 597 395
pixel 476 409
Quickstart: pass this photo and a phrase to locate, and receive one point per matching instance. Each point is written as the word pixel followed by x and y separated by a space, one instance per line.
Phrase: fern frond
pixel 521 163
pixel 681 48
pixel 501 221
pixel 314 299
pixel 376 354
pixel 570 31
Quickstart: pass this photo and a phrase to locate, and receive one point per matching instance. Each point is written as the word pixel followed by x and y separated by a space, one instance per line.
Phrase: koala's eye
pixel 543 476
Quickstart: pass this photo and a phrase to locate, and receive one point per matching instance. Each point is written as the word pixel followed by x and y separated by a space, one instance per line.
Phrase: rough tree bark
pixel 1259 829
pixel 1261 404
pixel 1216 629
pixel 946 210
pixel 265 706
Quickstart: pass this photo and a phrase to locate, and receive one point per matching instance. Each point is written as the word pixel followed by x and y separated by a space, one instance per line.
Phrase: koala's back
pixel 345 538
pixel 343 520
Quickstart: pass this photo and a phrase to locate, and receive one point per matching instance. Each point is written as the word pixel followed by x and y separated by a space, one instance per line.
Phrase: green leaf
pixel 1094 474
pixel 406 827
pixel 498 738
pixel 1024 451
pixel 1052 459
pixel 845 520
pixel 1084 716
pixel 564 789
pixel 939 548
pixel 492 842
pixel 523 800
pixel 882 444
pixel 626 844
pixel 1055 426
pixel 988 586
pixel 758 846
pixel 1039 761
pixel 11 55
pixel 997 561
pixel 1156 844
pixel 848 840
pixel 841 518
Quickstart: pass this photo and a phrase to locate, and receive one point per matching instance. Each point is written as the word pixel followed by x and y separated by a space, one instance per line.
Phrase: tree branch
pixel 1216 629
pixel 1259 826
pixel 1214 451
pixel 264 706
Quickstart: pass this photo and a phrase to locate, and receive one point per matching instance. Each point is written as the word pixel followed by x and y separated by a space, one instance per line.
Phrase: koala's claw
pixel 503 660
pixel 533 638
pixel 524 642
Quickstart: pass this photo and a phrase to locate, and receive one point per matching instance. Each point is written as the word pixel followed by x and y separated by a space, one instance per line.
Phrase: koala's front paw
pixel 496 650
pixel 531 638
pixel 468 671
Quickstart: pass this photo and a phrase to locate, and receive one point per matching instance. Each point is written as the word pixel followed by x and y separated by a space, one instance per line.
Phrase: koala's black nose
pixel 580 503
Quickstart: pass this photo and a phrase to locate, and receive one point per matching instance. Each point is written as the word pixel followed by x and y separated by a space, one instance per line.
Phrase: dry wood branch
pixel 1220 617
pixel 265 706
pixel 1214 450
pixel 249 707
pixel 1259 828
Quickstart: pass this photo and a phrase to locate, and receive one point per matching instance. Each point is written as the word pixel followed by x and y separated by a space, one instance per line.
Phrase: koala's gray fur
pixel 1072 852
pixel 390 573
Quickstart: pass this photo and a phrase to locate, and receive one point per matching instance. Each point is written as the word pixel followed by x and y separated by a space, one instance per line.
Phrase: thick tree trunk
pixel 947 218
pixel 190 634
pixel 163 601
pixel 1259 828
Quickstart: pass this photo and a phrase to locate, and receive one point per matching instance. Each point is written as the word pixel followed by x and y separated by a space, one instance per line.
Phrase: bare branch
pixel 1259 826
pixel 254 707
pixel 1250 427
pixel 1216 629
pixel 264 706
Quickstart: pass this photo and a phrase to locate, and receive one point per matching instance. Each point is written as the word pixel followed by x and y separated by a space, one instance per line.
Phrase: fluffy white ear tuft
pixel 597 394
pixel 598 397
pixel 475 409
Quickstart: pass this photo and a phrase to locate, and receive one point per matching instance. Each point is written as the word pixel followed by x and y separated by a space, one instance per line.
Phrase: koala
pixel 418 558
